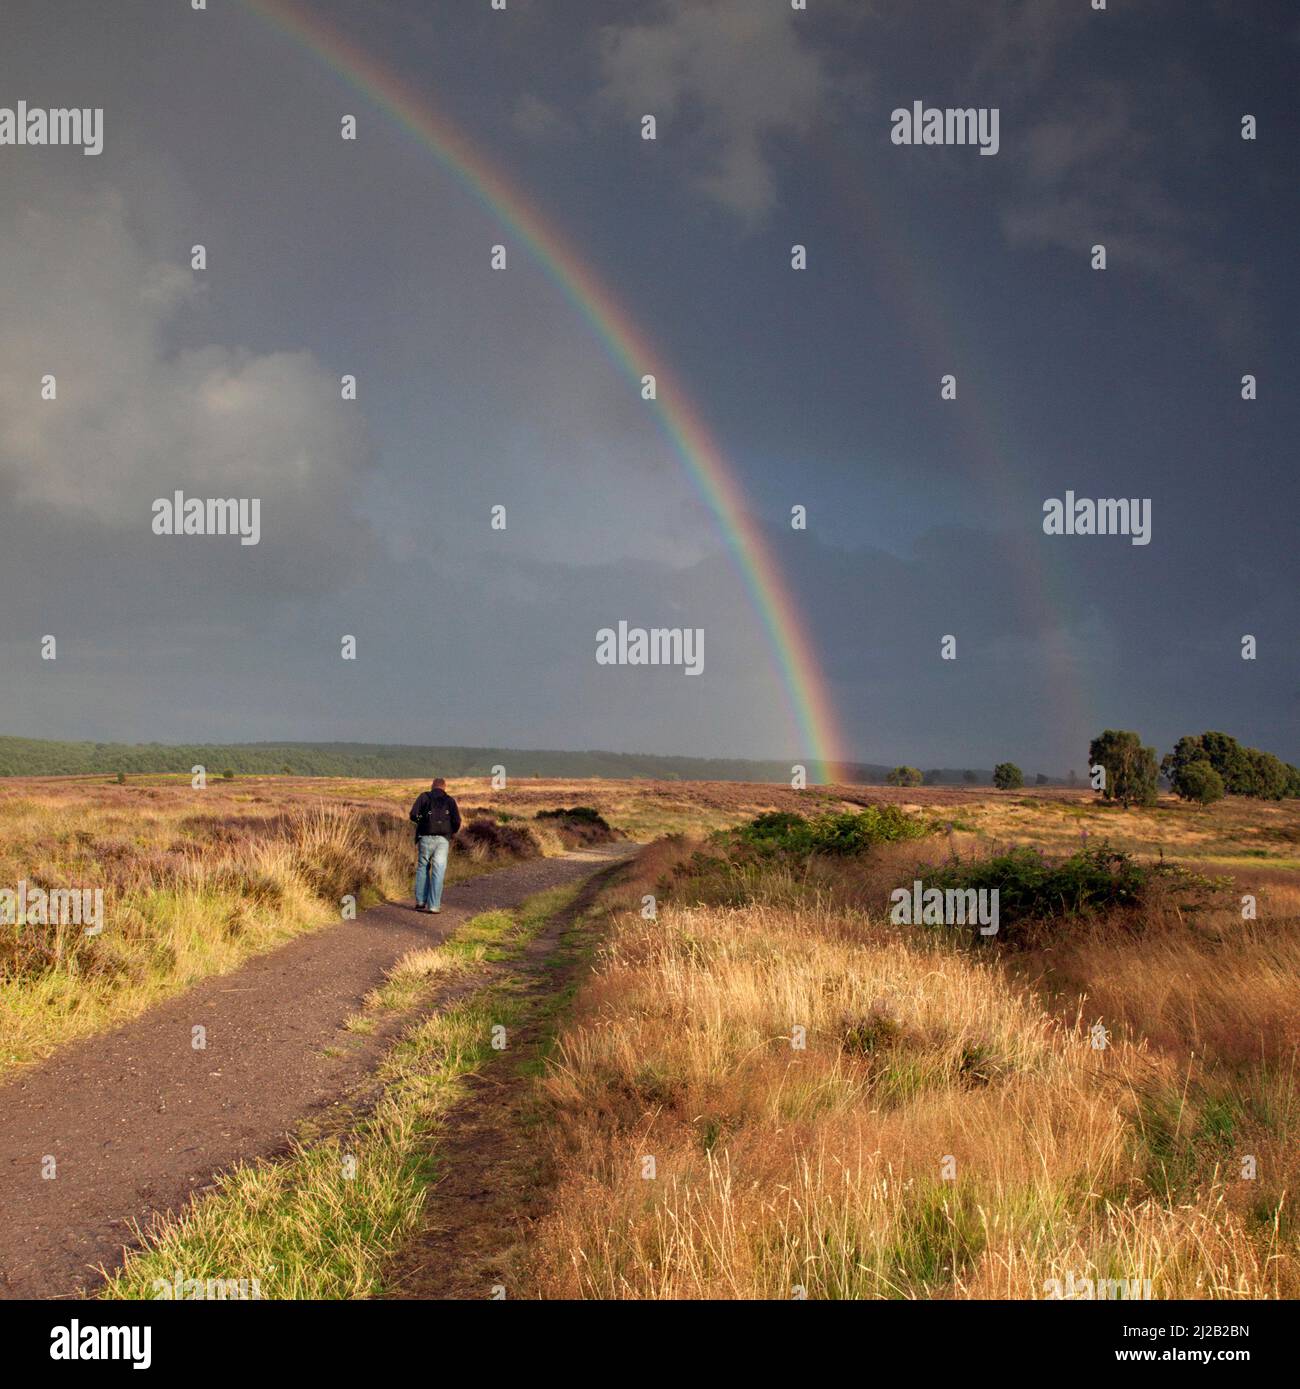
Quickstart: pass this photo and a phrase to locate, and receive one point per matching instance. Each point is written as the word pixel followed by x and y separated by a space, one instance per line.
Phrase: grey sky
pixel 821 386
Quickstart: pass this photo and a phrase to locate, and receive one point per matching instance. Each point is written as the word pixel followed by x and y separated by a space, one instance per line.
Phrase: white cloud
pixel 734 73
pixel 135 419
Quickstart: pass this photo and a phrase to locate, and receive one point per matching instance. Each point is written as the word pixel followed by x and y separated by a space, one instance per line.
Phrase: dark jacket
pixel 435 812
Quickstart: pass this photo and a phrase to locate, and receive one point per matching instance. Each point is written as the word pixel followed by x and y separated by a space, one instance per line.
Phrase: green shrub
pixel 1089 882
pixel 839 833
pixel 875 1032
pixel 579 825
pixel 775 826
pixel 578 812
pixel 1030 886
pixel 487 840
pixel 1007 776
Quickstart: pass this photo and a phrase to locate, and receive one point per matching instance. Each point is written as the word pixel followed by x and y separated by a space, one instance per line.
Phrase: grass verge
pixel 322 1222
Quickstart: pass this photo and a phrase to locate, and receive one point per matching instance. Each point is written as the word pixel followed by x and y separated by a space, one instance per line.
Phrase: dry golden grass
pixel 948 1129
pixel 194 882
pixel 1221 988
pixel 1233 833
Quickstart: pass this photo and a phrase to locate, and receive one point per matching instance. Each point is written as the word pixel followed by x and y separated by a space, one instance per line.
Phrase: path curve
pixel 136 1119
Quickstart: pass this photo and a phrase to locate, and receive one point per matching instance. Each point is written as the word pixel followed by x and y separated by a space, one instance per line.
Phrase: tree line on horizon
pixel 1202 767
pixel 52 757
pixel 49 757
pixel 1006 776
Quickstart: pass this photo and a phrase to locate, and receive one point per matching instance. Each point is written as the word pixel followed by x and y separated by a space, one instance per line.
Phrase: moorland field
pixel 735 1075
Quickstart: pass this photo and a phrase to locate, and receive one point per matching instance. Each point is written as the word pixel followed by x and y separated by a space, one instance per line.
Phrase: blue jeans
pixel 430 867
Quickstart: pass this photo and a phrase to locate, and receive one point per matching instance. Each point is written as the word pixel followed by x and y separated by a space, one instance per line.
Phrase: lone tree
pixel 1198 781
pixel 1040 779
pixel 1007 776
pixel 1131 770
pixel 904 776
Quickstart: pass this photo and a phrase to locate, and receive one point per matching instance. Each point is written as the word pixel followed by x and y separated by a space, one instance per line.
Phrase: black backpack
pixel 437 816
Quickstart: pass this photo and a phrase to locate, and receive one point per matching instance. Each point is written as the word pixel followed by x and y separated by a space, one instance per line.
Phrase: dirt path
pixel 494 1184
pixel 137 1119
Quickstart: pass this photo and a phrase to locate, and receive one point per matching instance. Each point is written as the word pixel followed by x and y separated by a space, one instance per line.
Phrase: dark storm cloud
pixel 478 389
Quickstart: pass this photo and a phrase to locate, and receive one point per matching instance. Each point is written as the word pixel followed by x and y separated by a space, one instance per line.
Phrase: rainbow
pixel 785 629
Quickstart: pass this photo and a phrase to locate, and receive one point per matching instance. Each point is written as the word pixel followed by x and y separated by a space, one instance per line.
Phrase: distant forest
pixel 42 757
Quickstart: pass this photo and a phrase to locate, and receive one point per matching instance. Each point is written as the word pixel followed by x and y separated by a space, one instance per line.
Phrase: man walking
pixel 437 818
